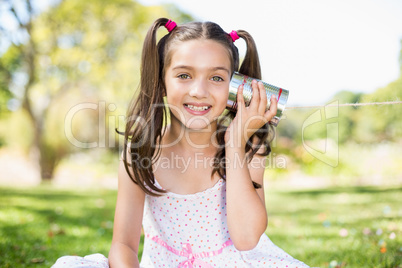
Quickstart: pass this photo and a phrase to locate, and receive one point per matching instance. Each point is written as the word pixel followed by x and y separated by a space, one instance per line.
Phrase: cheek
pixel 174 102
pixel 172 99
pixel 223 95
pixel 171 92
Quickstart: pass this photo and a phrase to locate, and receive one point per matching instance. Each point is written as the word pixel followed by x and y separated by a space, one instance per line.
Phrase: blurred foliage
pixel 18 122
pixel 77 58
pixel 383 123
pixel 71 75
pixel 364 124
pixel 9 63
pixel 357 133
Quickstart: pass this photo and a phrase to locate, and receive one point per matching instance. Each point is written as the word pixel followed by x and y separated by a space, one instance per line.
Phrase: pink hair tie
pixel 170 25
pixel 234 35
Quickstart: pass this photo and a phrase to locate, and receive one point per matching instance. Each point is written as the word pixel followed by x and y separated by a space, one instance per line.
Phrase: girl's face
pixel 197 82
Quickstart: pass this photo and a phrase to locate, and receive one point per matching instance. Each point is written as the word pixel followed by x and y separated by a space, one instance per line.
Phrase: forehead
pixel 199 53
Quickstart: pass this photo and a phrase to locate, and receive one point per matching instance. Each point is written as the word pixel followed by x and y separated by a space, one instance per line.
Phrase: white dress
pixel 191 231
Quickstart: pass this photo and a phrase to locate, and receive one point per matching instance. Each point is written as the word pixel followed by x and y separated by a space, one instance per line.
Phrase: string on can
pixel 345 104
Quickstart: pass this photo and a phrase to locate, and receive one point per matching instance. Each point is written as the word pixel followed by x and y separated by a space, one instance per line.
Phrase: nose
pixel 199 89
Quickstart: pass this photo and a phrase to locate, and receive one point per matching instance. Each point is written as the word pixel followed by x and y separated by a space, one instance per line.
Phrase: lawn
pixel 335 227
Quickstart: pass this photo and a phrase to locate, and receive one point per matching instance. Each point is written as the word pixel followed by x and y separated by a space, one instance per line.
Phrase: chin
pixel 198 125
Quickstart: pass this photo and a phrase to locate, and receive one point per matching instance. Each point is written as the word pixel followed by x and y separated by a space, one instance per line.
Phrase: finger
pixel 263 97
pixel 272 108
pixel 255 99
pixel 240 98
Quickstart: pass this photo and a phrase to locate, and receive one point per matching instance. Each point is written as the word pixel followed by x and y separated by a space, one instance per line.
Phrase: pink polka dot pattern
pixel 191 231
pixel 200 221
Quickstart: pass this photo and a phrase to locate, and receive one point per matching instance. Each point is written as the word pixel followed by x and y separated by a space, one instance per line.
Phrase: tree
pixel 76 51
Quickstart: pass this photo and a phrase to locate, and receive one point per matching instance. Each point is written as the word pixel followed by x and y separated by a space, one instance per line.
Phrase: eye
pixel 183 76
pixel 217 79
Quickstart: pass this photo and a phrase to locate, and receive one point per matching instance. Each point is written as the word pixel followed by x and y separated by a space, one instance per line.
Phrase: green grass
pixel 39 225
pixel 336 227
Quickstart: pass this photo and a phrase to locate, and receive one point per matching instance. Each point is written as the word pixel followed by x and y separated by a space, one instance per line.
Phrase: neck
pixel 190 140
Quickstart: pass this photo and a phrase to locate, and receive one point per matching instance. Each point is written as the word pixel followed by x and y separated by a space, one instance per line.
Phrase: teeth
pixel 197 108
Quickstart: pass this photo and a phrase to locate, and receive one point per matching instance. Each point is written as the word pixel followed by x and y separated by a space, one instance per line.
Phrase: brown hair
pixel 147 114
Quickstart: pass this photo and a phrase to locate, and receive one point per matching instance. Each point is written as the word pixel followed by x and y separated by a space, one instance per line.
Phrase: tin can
pixel 240 79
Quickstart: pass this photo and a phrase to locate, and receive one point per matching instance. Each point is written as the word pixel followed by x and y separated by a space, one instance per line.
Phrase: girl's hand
pixel 249 119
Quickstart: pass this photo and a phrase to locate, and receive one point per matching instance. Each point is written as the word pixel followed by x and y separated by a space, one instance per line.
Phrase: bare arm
pixel 247 216
pixel 127 222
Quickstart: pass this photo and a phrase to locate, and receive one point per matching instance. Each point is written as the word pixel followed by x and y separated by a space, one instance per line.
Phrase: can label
pixel 240 79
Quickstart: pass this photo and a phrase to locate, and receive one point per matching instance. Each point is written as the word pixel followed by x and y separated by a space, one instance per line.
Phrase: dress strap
pixel 192 258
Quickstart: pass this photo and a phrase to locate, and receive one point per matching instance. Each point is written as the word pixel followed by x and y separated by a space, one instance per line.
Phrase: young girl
pixel 195 184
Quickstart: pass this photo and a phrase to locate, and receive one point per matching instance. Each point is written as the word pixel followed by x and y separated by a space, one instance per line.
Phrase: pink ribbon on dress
pixel 192 258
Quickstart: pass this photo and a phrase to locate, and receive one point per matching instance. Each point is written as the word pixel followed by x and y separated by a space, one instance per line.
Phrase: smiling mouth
pixel 197 108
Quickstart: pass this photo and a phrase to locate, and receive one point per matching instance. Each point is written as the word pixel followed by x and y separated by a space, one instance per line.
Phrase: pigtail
pixel 251 67
pixel 251 63
pixel 146 114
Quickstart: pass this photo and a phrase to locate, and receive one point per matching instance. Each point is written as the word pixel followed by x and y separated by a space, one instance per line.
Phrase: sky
pixel 313 48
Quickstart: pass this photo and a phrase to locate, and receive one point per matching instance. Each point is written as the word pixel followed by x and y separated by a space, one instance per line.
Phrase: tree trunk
pixel 48 161
pixel 44 155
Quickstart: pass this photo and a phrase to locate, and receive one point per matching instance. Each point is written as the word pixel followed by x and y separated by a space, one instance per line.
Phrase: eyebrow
pixel 191 68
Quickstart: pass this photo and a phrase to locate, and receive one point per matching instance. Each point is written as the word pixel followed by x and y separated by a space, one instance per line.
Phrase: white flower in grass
pixel 343 232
